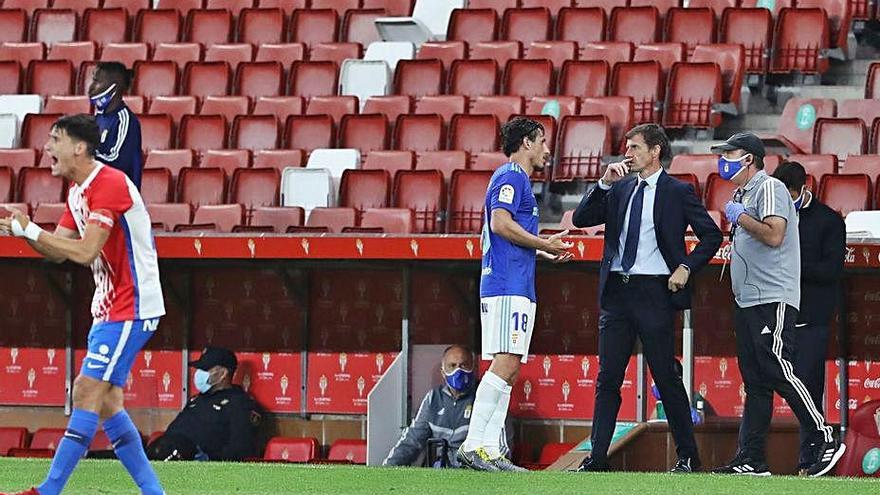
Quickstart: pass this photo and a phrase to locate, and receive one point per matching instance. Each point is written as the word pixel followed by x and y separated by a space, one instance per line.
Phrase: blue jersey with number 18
pixel 509 269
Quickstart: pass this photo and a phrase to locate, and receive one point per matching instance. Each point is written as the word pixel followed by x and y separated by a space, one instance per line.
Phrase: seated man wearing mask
pixel 219 424
pixel 445 412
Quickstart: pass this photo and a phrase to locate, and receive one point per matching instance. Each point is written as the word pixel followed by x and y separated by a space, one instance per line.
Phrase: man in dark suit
pixel 643 281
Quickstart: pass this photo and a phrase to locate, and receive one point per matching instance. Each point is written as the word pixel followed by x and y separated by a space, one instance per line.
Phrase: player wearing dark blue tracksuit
pixel 120 145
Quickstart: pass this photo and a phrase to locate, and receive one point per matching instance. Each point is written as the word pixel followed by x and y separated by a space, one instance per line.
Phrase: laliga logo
pixel 267 311
pixel 228 308
pixel 252 247
pixel 566 291
pixel 322 384
pixel 166 381
pixel 50 355
pixel 246 382
pixel 32 376
pixel 343 359
pixel 435 290
pixel 361 385
pixel 343 312
pixel 284 384
pixel 704 389
pixel 548 316
pixel 566 389
pixel 469 244
pixel 359 244
pixel 527 389
pixel 414 246
pixel 285 454
pixel 197 244
pixel 305 246
pixel 380 361
pixel 148 357
pixel 585 366
pixel 209 286
pixel 850 256
pixel 13 353
pixel 248 288
pixel 362 289
pixel 866 253
pixel 581 246
pixel 266 359
pixel 398 291
pixel 722 367
pixel 585 318
pixel 547 364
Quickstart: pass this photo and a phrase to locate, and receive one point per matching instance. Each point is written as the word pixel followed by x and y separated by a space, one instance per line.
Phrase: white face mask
pixel 201 381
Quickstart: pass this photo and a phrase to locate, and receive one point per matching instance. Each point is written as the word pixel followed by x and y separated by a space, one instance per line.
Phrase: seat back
pixel 256 79
pixel 202 186
pixel 840 136
pixel 467 201
pixel 798 118
pixel 291 449
pixel 423 192
pixel 583 141
pixel 354 451
pixel 307 188
pixel 643 82
pixel 751 28
pixel 390 220
pixel 846 193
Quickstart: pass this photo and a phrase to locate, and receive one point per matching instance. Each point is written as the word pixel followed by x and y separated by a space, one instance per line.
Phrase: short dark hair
pixel 792 174
pixel 513 132
pixel 81 127
pixel 117 71
pixel 757 161
pixel 654 135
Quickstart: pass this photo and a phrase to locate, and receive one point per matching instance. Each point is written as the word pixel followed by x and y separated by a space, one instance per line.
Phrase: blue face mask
pixel 728 169
pixel 459 380
pixel 799 203
pixel 200 379
pixel 102 100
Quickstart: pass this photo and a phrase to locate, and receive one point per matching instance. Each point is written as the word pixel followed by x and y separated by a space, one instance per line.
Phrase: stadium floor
pixel 107 477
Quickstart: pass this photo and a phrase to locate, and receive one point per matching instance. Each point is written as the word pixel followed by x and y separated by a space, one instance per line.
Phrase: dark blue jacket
pixel 121 142
pixel 675 207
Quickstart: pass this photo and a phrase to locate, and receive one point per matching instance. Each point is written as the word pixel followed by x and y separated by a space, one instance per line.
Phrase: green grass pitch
pixel 94 477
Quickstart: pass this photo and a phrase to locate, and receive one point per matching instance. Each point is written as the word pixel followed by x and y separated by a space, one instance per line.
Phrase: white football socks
pixel 495 428
pixel 489 394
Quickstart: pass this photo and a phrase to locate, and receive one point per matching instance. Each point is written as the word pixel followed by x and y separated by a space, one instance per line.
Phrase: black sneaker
pixel 591 465
pixel 477 459
pixel 686 465
pixel 744 466
pixel 829 454
pixel 505 464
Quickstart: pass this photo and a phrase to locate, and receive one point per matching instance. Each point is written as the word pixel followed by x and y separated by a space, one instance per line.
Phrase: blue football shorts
pixel 112 347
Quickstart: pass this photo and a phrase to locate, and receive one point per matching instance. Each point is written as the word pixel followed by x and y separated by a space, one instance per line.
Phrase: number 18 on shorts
pixel 507 323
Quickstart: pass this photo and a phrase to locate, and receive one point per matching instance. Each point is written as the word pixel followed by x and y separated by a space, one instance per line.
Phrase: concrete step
pixel 836 92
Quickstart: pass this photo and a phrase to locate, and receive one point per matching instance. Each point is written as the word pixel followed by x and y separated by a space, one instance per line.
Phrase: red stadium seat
pixel 467 201
pixel 693 181
pixel 866 109
pixel 840 136
pixel 389 106
pixel 568 105
pixel 717 6
pixel 498 6
pixel 255 132
pixel 634 24
pixel 473 133
pixel 156 132
pixel 665 53
pixel 390 220
pixel 203 79
pixel 801 37
pixel 125 53
pixel 185 6
pixel 691 26
pixel 392 161
pixel 526 25
pixel 18 158
pixel 169 215
pixel 7 191
pixel 234 6
pixel 288 6
pixel 423 192
pixel 815 165
pixel 156 185
pixel 134 103
pixel 418 77
pixel 130 6
pixel 208 27
pixel 35 129
pixel 231 53
pixel 419 133
pixel 338 5
pixel 502 107
pixel 291 449
pixel 499 51
pixel 10 438
pixel 861 164
pixel 286 53
pixel 549 123
pixel 752 28
pixel 10 77
pixel 473 78
pixel 228 160
pixel 585 79
pixel 334 219
pixel 472 25
pixel 53 26
pixel 280 218
pixel 255 187
pixel 310 79
pixel 550 452
pixel 400 8
pixel 528 78
pixel 175 106
pixel 179 53
pixel 557 52
pixel 154 79
pixel 47 438
pixel 314 26
pixel 444 51
pixel 229 107
pixel 280 106
pixel 643 82
pixel 694 90
pixel 37 185
pixel 202 132
pixel 702 166
pixel 224 217
pixel 279 159
pixel 583 141
pixel 872 85
pixel 444 105
pixel 731 61
pixel 446 162
pixel 365 132
pixel 840 15
pixel 334 106
pixel 362 189
pixel 105 26
pixel 875 137
pixel 555 6
pixel 489 161
pixel 77 52
pixel 51 77
pixel 13 25
pixel 83 78
pixel 846 193
pixel 22 53
pixel 335 52
pixel 798 117
pixel 718 192
pixel 257 79
pixel 612 52
pixel 620 111
pixel 157 26
pixel 309 132
pixel 358 26
pixel 582 25
pixel 173 160
pixel 201 186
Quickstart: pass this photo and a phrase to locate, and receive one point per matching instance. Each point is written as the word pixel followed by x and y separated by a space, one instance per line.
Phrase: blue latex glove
pixel 733 210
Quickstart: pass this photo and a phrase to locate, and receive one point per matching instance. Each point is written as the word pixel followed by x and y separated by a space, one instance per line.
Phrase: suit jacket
pixel 675 207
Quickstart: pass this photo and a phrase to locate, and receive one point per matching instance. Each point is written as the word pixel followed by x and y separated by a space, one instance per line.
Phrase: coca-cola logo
pixel 850 255
pixel 872 383
pixel 724 252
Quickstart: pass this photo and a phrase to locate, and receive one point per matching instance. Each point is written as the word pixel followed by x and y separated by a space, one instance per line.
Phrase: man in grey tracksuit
pixel 445 411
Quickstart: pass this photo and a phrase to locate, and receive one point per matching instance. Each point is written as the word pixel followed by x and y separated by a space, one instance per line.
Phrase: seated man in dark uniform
pixel 219 424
